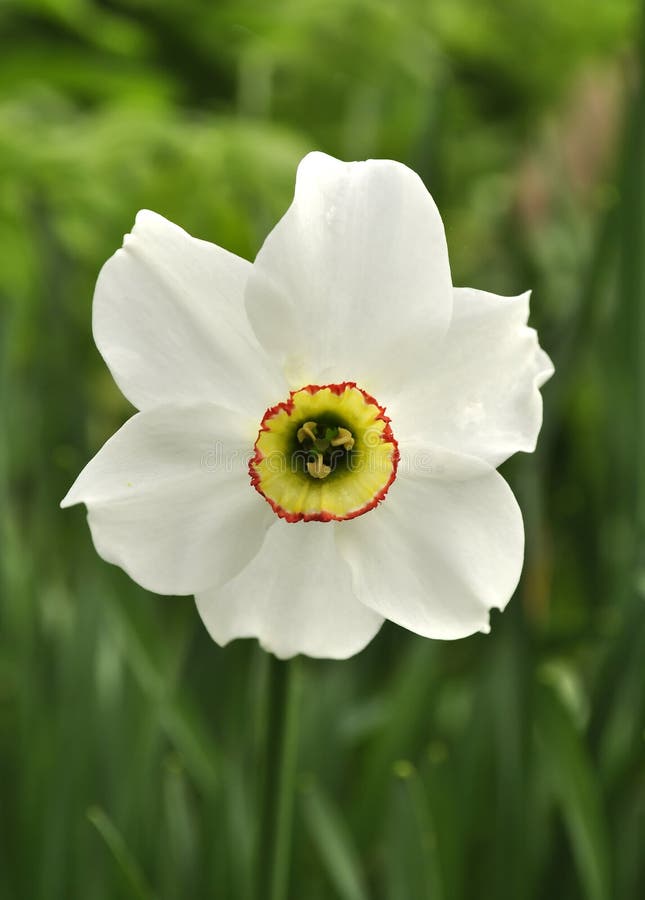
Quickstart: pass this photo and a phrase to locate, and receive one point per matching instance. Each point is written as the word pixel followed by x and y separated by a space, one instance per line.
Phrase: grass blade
pixel 126 863
pixel 334 843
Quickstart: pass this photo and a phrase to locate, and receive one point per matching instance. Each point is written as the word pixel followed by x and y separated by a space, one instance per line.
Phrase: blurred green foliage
pixel 508 767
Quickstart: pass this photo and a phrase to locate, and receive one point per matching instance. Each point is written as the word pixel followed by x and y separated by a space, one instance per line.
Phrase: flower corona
pixel 326 454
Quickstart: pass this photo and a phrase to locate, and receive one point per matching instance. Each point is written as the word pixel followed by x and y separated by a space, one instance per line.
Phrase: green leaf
pixel 573 780
pixel 126 863
pixel 413 864
pixel 334 843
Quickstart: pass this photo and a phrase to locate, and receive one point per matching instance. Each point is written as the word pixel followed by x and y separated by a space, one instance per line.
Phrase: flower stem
pixel 282 736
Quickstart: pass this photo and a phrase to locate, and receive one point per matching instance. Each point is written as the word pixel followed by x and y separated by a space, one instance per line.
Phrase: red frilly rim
pixel 288 407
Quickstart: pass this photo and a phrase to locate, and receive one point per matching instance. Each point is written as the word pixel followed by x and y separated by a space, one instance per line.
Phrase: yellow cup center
pixel 327 453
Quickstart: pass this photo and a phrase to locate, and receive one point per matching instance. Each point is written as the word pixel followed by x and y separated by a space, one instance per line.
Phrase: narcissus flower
pixel 318 432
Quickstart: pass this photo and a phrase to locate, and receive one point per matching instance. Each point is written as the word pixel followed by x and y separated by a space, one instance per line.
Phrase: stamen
pixel 317 468
pixel 323 442
pixel 344 439
pixel 308 430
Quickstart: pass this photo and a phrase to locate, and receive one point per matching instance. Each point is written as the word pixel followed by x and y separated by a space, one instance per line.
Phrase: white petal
pixel 479 394
pixel 170 322
pixel 444 547
pixel 295 597
pixel 355 274
pixel 170 501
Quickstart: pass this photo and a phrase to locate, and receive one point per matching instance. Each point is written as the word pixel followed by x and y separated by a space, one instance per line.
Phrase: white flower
pixel 318 431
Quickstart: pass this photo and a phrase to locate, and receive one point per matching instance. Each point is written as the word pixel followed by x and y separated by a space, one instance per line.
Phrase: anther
pixel 317 468
pixel 343 439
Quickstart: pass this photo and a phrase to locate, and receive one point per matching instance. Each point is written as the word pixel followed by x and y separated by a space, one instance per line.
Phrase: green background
pixel 506 767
